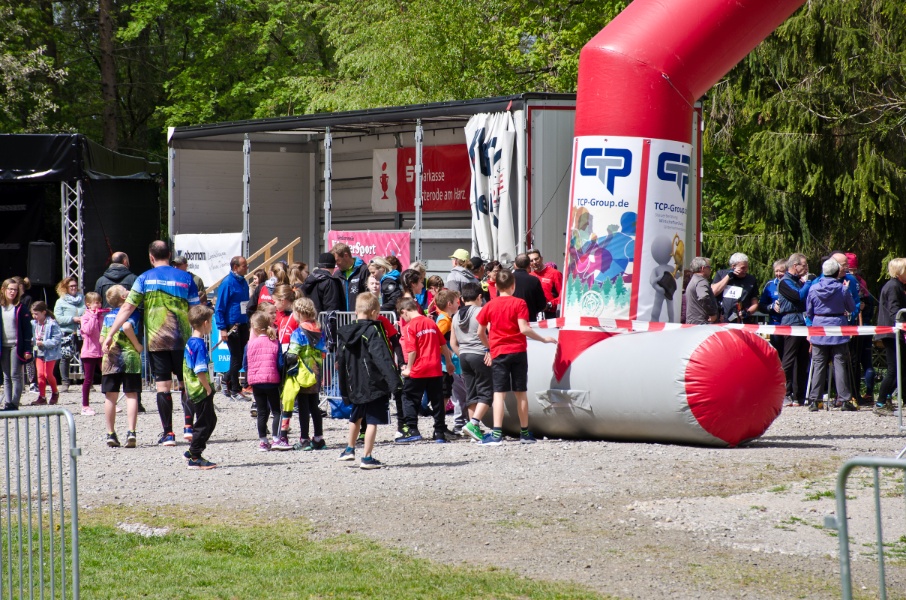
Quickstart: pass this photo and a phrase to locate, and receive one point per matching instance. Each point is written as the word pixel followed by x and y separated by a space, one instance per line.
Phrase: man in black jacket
pixel 324 289
pixel 528 287
pixel 117 273
pixel 352 272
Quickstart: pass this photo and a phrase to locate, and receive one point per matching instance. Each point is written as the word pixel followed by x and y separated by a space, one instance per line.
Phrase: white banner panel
pixel 625 250
pixel 490 138
pixel 663 245
pixel 208 254
pixel 604 204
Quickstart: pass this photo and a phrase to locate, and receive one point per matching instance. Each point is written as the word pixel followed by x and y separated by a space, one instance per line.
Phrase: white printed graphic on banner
pixel 602 230
pixel 663 251
pixel 208 254
pixel 383 180
pixel 490 139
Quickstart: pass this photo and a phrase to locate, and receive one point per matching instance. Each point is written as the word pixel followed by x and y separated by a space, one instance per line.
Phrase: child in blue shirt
pixel 198 387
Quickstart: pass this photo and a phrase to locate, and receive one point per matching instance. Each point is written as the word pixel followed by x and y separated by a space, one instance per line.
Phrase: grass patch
pixel 779 488
pixel 220 556
pixel 819 495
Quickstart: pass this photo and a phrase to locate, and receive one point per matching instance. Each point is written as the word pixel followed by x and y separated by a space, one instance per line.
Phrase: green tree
pixel 805 140
pixel 27 77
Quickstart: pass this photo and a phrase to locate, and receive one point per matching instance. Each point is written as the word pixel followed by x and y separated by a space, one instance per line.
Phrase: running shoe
pixel 201 464
pixel 347 454
pixel 444 435
pixel 112 440
pixel 361 439
pixel 166 439
pixel 253 412
pixel 187 433
pixel 131 439
pixel 411 436
pixel 281 444
pixel 490 440
pixel 319 444
pixel 814 406
pixel 473 431
pixel 264 446
pixel 368 462
pixel 242 397
pixel 228 394
pixel 304 444
pixel 526 437
pixel 850 406
pixel 87 411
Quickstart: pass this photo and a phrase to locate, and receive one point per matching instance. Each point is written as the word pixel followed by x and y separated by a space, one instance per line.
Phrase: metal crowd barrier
pixel 841 525
pixel 330 383
pixel 36 528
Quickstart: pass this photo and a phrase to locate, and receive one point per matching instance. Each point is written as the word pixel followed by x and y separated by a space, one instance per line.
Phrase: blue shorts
pixel 376 412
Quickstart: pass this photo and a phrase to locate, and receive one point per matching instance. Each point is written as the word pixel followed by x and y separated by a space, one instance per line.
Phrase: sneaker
pixel 304 444
pixel 10 406
pixel 443 436
pixel 850 406
pixel 131 439
pixel 33 388
pixel 527 438
pixel 112 440
pixel 814 406
pixel 318 445
pixel 457 430
pixel 264 446
pixel 368 462
pixel 490 440
pixel 473 431
pixel 187 433
pixel 281 444
pixel 64 388
pixel 882 409
pixel 412 436
pixel 253 412
pixel 166 439
pixel 87 411
pixel 201 463
pixel 228 394
pixel 39 401
pixel 361 439
pixel 399 433
pixel 347 454
pixel 54 398
pixel 241 396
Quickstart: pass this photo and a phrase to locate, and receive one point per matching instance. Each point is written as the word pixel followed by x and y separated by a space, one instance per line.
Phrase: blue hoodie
pixel 826 305
pixel 355 281
pixel 232 297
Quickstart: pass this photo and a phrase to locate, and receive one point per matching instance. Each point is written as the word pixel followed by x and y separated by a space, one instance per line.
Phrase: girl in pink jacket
pixel 91 345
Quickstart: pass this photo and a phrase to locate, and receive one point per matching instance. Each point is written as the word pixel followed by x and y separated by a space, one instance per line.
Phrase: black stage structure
pixel 88 200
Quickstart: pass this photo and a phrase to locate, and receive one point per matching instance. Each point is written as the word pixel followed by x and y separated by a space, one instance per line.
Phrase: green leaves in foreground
pixel 275 559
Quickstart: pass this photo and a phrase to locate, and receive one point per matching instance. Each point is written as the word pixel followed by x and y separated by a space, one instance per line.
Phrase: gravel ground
pixel 631 520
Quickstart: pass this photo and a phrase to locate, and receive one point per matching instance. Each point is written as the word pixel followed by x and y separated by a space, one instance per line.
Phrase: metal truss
pixel 73 234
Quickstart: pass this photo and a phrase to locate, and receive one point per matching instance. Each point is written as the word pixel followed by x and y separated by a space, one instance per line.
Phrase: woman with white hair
pixel 829 304
pixel 389 277
pixel 736 290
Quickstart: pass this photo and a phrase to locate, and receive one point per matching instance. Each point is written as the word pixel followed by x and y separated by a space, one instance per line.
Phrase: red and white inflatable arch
pixel 638 81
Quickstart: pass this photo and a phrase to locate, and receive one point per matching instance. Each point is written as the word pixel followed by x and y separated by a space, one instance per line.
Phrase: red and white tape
pixel 784 330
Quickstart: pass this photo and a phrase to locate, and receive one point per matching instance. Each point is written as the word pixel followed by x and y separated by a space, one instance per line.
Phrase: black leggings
pixel 267 402
pixel 889 385
pixel 309 405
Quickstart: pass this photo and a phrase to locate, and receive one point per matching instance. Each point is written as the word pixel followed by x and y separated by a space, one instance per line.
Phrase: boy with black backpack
pixel 368 376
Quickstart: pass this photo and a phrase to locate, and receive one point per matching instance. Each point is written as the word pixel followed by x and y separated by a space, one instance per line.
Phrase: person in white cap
pixel 461 272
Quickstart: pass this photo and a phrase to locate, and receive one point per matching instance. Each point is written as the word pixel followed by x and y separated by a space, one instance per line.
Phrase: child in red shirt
pixel 508 318
pixel 423 344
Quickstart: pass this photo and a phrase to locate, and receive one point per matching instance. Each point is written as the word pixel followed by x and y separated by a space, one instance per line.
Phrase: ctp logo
pixel 674 168
pixel 606 164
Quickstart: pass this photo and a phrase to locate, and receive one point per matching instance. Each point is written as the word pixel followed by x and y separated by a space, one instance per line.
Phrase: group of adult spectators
pixel 838 296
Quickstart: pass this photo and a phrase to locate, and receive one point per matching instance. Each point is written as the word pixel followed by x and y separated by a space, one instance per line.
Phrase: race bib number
pixel 733 292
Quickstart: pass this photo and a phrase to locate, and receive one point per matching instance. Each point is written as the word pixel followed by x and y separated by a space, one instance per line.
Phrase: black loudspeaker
pixel 42 263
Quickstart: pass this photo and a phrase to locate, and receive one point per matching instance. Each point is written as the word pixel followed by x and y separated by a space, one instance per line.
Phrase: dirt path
pixel 630 520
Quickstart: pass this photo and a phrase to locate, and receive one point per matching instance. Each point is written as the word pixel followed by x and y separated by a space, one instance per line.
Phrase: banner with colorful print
pixel 625 248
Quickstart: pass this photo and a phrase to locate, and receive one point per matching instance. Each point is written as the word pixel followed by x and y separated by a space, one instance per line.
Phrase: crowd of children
pixel 450 351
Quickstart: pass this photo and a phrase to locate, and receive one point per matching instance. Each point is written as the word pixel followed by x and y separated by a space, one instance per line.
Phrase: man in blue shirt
pixel 232 322
pixel 768 302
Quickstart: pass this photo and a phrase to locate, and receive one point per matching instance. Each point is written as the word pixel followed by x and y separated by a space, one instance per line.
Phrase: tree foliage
pixel 805 141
